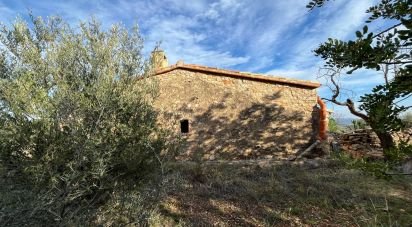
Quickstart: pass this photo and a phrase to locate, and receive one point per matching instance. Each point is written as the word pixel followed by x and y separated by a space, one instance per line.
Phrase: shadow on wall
pixel 226 130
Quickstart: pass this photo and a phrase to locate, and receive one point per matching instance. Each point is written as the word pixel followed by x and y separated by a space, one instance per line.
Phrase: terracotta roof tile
pixel 240 75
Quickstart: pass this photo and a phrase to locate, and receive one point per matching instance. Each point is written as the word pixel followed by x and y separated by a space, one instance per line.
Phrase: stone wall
pixel 361 143
pixel 233 118
pixel 364 143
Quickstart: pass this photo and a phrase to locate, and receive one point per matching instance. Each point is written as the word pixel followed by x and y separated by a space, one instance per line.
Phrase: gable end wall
pixel 234 118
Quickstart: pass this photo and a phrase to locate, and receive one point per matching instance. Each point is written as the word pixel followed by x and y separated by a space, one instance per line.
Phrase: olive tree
pixel 389 50
pixel 75 114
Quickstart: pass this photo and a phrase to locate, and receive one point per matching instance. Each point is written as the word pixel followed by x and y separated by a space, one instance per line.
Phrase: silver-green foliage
pixel 407 119
pixel 75 116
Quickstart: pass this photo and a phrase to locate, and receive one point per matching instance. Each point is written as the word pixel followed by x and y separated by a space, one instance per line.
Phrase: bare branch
pixel 332 74
pixel 385 70
pixel 396 62
pixel 408 96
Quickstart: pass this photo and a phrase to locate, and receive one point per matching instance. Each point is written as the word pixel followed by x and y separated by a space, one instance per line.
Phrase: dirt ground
pixel 280 193
pixel 221 194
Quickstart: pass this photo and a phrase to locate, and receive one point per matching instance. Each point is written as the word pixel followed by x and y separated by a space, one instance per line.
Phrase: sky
pixel 261 36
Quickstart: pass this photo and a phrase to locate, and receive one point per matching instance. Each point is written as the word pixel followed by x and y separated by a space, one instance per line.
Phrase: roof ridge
pixel 239 74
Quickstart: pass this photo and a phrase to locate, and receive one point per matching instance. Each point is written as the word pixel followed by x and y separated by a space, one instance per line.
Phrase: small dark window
pixel 184 126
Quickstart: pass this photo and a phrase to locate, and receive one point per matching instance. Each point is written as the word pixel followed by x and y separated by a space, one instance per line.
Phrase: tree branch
pixel 386 30
pixel 351 107
pixel 336 92
pixel 385 70
pixel 403 98
pixel 396 62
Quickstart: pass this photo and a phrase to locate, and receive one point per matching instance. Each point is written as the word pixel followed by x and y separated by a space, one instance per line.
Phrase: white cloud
pixel 273 37
pixel 5 11
pixel 183 37
pixel 294 73
pixel 220 10
pixel 339 19
pixel 367 79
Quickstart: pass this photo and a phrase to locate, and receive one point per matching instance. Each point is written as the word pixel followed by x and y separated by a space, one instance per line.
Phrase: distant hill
pixel 345 121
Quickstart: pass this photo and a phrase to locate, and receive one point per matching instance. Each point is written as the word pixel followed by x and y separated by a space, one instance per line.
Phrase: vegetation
pixel 407 119
pixel 79 145
pixel 333 125
pixel 75 121
pixel 358 124
pixel 387 50
pixel 276 194
pixel 242 194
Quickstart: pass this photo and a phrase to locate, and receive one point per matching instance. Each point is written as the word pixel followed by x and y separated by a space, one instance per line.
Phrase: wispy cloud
pixel 265 36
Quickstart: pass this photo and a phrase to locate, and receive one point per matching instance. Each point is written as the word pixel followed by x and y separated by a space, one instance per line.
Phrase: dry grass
pixel 221 194
pixel 281 195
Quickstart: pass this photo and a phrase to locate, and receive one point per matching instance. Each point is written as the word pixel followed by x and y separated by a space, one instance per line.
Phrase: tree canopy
pixel 389 48
pixel 75 120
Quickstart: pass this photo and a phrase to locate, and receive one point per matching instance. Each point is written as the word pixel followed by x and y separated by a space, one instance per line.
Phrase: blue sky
pixel 262 36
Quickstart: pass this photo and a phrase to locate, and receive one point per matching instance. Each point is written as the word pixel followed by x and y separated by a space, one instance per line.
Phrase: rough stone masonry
pixel 225 114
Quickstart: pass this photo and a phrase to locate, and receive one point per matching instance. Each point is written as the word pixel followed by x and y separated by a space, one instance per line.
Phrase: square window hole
pixel 184 126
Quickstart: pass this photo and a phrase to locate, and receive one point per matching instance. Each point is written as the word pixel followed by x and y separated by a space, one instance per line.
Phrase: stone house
pixel 226 114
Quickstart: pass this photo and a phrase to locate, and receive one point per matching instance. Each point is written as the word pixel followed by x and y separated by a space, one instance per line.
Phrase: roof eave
pixel 237 74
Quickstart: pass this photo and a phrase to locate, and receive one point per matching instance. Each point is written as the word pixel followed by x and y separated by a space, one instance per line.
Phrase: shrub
pixel 407 119
pixel 358 124
pixel 379 168
pixel 333 125
pixel 75 117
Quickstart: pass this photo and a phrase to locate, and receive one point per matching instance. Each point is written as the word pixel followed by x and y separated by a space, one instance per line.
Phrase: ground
pixel 278 194
pixel 257 194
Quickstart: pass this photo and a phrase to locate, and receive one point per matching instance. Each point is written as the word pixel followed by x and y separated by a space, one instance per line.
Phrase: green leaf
pixel 358 34
pixel 365 29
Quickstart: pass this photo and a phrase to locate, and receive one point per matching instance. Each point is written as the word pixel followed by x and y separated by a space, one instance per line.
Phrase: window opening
pixel 184 126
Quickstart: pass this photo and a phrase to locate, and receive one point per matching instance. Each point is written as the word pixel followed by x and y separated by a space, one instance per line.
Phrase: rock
pixel 263 164
pixel 312 163
pixel 407 167
pixel 335 146
pixel 362 143
pixel 356 147
pixel 268 156
pixel 292 158
pixel 247 152
pixel 374 155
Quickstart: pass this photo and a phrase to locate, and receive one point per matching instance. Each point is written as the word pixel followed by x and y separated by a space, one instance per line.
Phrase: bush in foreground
pixel 75 120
